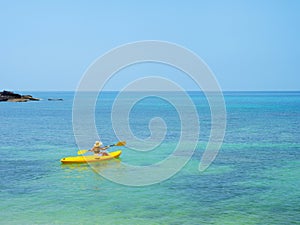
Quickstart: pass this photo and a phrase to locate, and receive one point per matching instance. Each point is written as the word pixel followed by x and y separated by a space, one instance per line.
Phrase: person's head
pixel 97 144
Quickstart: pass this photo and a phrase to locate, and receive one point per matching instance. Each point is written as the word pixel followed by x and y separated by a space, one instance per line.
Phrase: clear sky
pixel 249 45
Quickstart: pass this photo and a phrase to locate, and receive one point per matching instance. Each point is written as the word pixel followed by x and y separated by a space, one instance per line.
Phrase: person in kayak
pixel 98 150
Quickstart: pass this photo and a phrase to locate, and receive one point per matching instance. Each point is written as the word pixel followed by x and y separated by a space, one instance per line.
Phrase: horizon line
pixel 292 90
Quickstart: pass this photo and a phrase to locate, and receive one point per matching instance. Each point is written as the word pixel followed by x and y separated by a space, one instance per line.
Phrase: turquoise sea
pixel 255 178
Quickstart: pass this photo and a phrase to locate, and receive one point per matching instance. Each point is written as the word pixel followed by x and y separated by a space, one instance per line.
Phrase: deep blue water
pixel 254 179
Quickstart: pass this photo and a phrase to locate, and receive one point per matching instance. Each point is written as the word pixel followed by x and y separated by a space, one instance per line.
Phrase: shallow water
pixel 255 178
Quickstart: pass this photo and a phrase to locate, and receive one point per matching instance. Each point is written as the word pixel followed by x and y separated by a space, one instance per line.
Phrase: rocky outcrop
pixel 55 99
pixel 8 96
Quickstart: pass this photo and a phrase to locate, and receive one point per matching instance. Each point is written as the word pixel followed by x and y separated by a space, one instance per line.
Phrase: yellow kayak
pixel 91 158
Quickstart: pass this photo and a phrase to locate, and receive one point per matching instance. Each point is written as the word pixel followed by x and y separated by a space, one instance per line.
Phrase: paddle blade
pixel 80 152
pixel 121 143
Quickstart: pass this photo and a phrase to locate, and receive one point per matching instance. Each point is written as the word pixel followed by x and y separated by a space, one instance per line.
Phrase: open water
pixel 255 178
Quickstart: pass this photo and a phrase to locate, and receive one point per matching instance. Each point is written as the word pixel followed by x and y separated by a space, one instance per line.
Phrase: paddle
pixel 120 143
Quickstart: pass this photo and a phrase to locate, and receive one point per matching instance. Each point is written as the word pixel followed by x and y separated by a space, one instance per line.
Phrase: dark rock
pixel 13 97
pixel 3 98
pixel 55 99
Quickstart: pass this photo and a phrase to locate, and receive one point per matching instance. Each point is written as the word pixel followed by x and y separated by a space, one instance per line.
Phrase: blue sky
pixel 249 45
